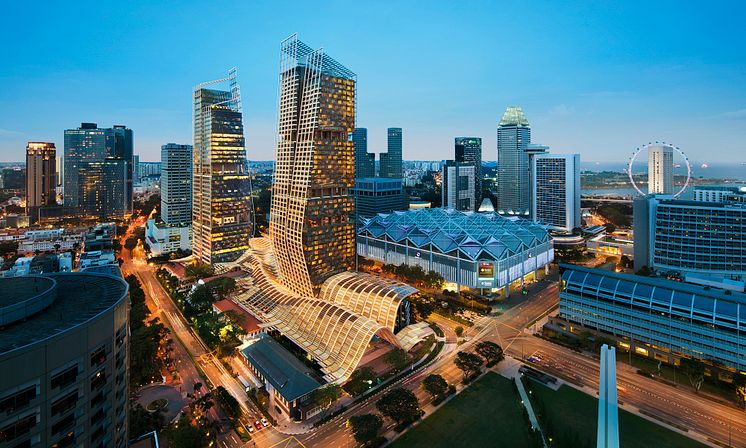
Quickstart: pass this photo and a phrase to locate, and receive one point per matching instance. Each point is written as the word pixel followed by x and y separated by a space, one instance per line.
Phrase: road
pixel 193 360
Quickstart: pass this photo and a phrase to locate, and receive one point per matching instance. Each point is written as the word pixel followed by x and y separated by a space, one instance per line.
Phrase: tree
pixel 327 395
pixel 183 435
pixel 131 243
pixel 645 271
pixel 142 421
pixel 227 402
pixel 222 286
pixel 396 358
pixel 459 330
pixel 435 385
pixel 360 381
pixel 491 352
pixel 694 370
pixel 469 363
pixel 739 385
pixel 365 427
pixel 198 270
pixel 624 261
pixel 8 247
pixel 400 405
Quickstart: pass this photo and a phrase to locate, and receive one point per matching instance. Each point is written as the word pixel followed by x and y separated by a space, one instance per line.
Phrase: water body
pixel 735 170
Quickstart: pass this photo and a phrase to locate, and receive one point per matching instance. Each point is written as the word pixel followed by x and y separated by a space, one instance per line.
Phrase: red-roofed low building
pixel 249 323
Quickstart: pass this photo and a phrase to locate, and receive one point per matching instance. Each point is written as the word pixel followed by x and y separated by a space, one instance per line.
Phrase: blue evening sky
pixel 598 78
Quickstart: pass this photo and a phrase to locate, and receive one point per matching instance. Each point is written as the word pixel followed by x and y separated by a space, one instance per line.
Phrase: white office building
pixel 459 186
pixel 660 169
pixel 555 197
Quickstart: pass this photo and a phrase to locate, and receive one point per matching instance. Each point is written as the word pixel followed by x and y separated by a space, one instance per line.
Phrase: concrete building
pixel 720 193
pixel 41 175
pixel 163 239
pixel 475 250
pixel 555 196
pixel 176 184
pixel 513 137
pixel 64 357
pixel 458 187
pixel 378 195
pixel 680 236
pixel 661 319
pixel 468 150
pixel 660 169
pixel 221 196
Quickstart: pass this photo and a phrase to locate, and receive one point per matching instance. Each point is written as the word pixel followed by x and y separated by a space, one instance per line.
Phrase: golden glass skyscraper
pixel 312 215
pixel 221 199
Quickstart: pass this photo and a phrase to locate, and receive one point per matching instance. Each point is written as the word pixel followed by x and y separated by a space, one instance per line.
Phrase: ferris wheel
pixel 645 147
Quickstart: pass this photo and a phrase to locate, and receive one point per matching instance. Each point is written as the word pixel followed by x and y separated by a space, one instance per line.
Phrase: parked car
pixel 265 423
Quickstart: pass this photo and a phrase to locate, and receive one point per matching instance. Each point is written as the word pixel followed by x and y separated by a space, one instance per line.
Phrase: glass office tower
pixel 221 195
pixel 391 161
pixel 176 184
pixel 364 162
pixel 312 213
pixel 468 150
pixel 513 136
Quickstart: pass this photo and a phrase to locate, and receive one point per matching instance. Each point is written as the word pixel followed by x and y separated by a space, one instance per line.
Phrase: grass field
pixel 569 417
pixel 488 413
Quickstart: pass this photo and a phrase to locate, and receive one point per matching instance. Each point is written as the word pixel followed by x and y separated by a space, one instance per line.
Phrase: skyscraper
pixel 41 174
pixel 312 213
pixel 660 169
pixel 91 144
pixel 176 184
pixel 221 196
pixel 469 151
pixel 391 161
pixel 458 185
pixel 513 136
pixel 364 161
pixel 101 188
pixel 556 190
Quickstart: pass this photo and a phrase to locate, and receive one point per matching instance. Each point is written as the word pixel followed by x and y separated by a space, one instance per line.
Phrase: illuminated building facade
pixel 468 150
pixel 41 174
pixel 221 196
pixel 513 139
pixel 391 160
pixel 312 213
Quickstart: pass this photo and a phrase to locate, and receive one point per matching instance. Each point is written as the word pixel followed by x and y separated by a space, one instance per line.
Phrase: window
pixel 65 378
pixel 98 380
pixel 67 440
pixel 19 428
pixel 18 399
pixel 98 357
pixel 63 423
pixel 65 403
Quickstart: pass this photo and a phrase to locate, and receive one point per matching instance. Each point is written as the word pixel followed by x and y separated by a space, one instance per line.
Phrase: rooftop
pixel 80 297
pixel 290 377
pixel 476 235
pixel 514 116
pixel 248 322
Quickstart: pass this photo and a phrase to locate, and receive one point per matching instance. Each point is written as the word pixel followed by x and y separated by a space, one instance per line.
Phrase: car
pixel 265 423
pixel 250 428
pixel 258 424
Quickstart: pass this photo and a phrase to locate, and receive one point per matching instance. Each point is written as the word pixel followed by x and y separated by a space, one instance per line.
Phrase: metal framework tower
pixel 312 224
pixel 608 411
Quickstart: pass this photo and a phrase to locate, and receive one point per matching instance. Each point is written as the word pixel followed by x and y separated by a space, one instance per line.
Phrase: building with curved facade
pixel 476 250
pixel 64 360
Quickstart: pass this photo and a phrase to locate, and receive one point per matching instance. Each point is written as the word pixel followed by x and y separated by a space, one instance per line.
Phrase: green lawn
pixel 569 417
pixel 487 413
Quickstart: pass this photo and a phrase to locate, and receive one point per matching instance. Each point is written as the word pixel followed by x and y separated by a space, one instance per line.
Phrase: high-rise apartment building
pixel 221 196
pixel 468 150
pixel 365 162
pixel 91 144
pixel 513 137
pixel 660 169
pixel 458 186
pixel 176 184
pixel 556 190
pixel 391 161
pixel 41 174
pixel 312 213
pixel 64 360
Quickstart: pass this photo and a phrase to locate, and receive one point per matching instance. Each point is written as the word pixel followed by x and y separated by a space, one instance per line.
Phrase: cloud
pixel 7 133
pixel 561 110
pixel 739 114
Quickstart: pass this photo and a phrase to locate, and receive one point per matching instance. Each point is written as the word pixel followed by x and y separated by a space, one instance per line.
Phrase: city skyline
pixel 609 75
